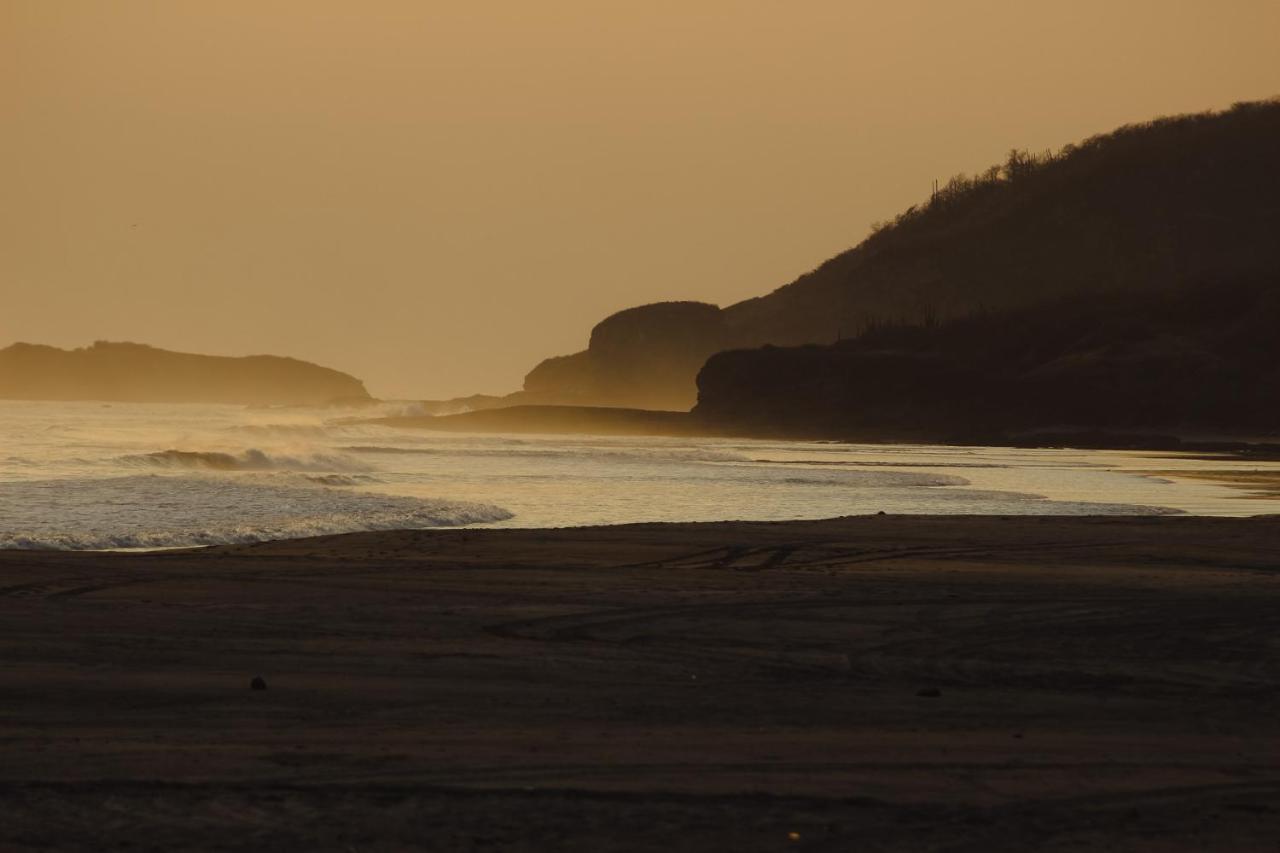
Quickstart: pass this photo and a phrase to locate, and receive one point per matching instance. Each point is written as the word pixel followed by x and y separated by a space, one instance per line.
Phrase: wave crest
pixel 878 479
pixel 247 460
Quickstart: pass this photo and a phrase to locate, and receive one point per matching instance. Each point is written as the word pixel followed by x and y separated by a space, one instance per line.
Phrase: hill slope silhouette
pixel 1148 208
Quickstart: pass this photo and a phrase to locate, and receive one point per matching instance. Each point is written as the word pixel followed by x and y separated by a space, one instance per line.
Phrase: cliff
pixel 645 357
pixel 129 372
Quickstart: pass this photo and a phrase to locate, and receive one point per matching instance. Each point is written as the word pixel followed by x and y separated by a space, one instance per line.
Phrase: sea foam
pixel 172 511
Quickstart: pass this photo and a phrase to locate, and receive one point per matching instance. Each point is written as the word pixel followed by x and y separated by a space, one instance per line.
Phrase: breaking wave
pixel 291 431
pixel 248 460
pixel 341 479
pixel 578 453
pixel 877 479
pixel 151 511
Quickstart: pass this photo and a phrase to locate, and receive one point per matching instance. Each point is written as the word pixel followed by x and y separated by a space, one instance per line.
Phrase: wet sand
pixel 1258 484
pixel 876 683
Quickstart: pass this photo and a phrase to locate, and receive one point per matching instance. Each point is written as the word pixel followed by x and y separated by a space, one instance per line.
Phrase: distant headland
pixel 136 373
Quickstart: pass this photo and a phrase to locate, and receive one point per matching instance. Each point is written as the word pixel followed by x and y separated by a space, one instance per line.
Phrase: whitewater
pixel 118 476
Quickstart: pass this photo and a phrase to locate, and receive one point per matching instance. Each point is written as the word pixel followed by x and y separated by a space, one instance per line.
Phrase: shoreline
pixel 603 420
pixel 887 682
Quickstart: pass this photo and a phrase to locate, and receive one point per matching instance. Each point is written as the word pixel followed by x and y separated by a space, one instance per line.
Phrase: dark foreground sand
pixel 881 683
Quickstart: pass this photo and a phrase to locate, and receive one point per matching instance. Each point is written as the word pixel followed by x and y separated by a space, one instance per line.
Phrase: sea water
pixel 113 475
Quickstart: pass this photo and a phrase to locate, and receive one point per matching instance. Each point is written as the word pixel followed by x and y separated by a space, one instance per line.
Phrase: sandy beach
pixel 871 683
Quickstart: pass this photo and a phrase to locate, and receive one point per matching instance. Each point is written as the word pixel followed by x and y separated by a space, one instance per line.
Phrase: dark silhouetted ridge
pixel 1145 209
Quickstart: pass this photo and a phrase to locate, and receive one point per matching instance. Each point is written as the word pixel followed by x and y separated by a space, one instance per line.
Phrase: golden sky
pixel 435 195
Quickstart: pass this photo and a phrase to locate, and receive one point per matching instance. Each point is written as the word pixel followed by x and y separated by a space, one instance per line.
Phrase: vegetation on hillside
pixel 1147 206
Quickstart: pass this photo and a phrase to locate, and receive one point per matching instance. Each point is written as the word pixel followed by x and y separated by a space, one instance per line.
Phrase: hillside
pixel 1198 360
pixel 137 373
pixel 1146 208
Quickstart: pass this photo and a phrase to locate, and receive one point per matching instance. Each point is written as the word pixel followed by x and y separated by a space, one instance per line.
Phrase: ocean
pixel 114 476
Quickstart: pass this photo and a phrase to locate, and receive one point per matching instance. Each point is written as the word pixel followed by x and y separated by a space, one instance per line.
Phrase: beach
pixel 871 683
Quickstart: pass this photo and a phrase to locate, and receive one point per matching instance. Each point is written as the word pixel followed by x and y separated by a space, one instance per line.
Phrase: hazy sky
pixel 433 196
